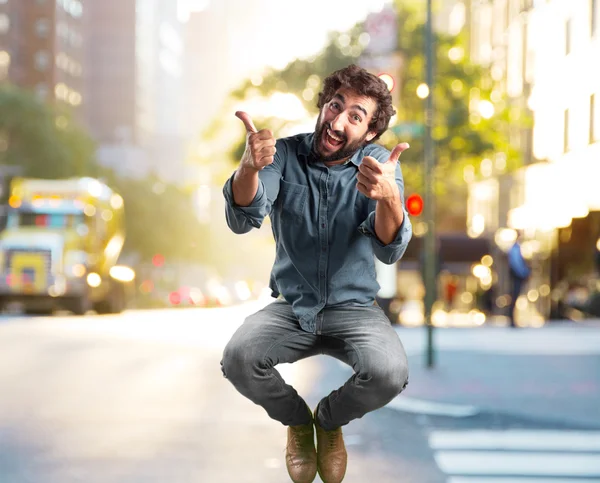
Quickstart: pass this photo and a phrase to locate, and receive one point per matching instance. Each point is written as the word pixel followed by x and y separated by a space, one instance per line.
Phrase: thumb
pixel 397 151
pixel 247 120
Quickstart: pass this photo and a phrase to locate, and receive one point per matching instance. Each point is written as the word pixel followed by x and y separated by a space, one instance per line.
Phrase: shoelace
pixel 332 437
pixel 302 439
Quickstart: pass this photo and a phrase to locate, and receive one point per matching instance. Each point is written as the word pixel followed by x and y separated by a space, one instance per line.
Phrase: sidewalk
pixel 550 373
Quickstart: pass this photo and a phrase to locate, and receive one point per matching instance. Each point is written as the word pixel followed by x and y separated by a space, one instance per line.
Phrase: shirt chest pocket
pixel 292 198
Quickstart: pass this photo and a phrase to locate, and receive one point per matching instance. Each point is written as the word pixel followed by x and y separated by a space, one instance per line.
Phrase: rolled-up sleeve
pixel 241 219
pixel 393 251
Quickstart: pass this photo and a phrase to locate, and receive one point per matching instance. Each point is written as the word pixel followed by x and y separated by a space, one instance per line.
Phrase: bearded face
pixel 343 126
pixel 332 145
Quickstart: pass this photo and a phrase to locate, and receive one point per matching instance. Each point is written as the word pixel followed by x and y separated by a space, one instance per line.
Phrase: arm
pixel 389 217
pixel 388 225
pixel 245 185
pixel 254 186
pixel 241 219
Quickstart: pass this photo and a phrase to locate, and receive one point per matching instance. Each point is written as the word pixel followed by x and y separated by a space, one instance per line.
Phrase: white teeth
pixel 333 136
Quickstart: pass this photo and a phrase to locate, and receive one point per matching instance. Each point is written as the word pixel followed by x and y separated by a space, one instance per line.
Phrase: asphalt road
pixel 140 398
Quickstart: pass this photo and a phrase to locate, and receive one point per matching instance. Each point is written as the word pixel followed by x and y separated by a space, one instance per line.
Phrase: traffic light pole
pixel 430 248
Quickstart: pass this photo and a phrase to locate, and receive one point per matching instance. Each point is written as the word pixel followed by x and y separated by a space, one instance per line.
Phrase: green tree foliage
pixel 41 138
pixel 47 143
pixel 307 74
pixel 463 137
pixel 302 77
pixel 160 218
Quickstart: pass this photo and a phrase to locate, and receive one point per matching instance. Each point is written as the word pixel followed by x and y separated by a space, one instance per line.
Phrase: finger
pixel 264 134
pixel 371 164
pixel 363 189
pixel 247 120
pixel 365 179
pixel 397 151
pixel 265 161
pixel 260 148
pixel 266 151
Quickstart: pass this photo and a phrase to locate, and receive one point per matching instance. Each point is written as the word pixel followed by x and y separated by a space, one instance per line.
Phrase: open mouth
pixel 332 139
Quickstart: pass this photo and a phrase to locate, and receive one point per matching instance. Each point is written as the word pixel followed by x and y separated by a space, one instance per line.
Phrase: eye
pixel 357 118
pixel 335 106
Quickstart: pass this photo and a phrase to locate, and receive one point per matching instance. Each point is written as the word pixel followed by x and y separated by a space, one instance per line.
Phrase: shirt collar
pixel 305 149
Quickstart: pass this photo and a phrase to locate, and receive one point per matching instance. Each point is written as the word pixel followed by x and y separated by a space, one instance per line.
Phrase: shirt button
pixel 323 250
pixel 322 225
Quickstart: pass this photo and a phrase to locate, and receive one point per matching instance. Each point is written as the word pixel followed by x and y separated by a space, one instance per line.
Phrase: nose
pixel 338 123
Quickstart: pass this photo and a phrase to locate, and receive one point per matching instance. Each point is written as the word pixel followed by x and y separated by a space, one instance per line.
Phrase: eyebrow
pixel 355 106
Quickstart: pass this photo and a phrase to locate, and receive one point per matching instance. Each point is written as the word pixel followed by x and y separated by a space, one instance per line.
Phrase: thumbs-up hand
pixel 378 180
pixel 260 145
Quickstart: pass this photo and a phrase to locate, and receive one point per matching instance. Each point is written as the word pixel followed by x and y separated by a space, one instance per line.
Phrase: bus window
pixel 12 220
pixel 54 220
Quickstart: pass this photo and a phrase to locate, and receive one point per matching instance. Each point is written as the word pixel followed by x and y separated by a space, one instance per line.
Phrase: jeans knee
pixel 390 379
pixel 233 360
pixel 401 378
pixel 240 364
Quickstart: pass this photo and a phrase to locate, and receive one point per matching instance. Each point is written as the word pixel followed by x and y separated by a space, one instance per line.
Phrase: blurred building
pixel 112 99
pixel 134 82
pixel 206 67
pixel 221 49
pixel 110 71
pixel 541 54
pixel 42 48
pixel 160 48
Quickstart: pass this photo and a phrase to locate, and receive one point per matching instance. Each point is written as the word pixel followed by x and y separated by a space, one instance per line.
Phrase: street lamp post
pixel 430 248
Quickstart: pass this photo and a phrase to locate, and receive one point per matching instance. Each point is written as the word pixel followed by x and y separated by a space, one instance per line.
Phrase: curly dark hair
pixel 365 84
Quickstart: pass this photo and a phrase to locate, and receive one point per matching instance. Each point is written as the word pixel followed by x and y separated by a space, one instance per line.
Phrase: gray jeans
pixel 362 337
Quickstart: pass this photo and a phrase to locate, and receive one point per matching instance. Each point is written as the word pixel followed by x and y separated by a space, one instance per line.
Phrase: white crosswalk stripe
pixel 517 456
pixel 479 479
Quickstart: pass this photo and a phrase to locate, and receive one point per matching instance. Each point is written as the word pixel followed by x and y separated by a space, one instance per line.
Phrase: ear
pixel 371 135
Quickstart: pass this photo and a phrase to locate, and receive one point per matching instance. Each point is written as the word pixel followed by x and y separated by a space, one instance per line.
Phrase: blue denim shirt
pixel 324 228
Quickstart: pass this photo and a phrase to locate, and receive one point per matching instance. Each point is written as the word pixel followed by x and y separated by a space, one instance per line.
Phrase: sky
pixel 291 28
pixel 251 35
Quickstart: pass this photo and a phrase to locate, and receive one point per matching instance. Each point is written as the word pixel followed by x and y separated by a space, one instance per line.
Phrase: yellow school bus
pixel 61 245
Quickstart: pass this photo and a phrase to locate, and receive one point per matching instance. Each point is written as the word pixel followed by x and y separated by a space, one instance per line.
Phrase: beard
pixel 346 150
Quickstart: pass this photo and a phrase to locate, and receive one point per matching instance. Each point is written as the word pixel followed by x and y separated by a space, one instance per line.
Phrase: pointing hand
pixel 260 145
pixel 378 180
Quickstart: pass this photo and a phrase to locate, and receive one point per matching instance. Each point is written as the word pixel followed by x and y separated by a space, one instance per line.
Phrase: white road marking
pixel 486 456
pixel 420 406
pixel 522 464
pixel 479 479
pixel 542 440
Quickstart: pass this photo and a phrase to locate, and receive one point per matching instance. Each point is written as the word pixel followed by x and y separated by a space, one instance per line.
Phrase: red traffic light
pixel 414 205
